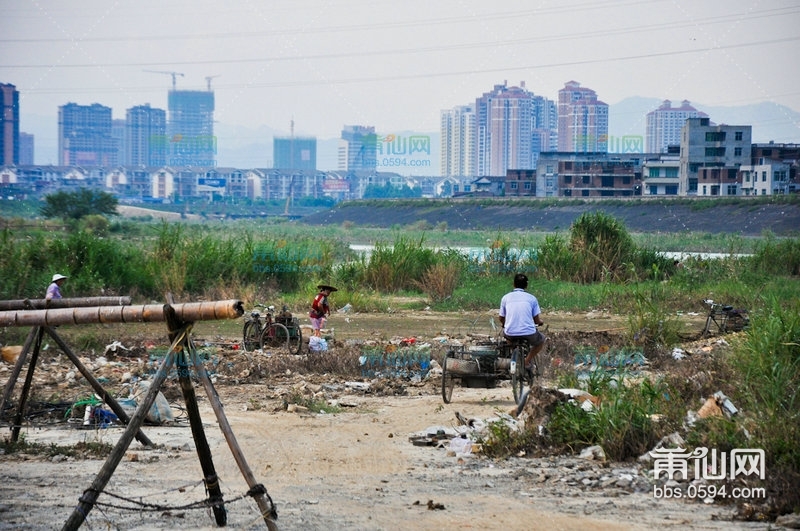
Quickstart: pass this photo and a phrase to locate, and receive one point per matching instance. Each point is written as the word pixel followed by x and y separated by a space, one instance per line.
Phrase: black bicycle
pixel 724 318
pixel 265 331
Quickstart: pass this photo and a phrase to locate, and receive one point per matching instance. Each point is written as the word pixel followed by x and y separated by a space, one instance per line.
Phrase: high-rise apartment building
pixel 358 148
pixel 582 120
pixel 191 128
pixel 118 134
pixel 665 123
pixel 85 136
pixel 723 148
pixel 25 149
pixel 9 125
pixel 512 126
pixel 294 153
pixel 457 128
pixel 146 136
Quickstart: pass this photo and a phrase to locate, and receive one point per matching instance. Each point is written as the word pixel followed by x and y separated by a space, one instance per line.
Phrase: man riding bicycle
pixel 520 315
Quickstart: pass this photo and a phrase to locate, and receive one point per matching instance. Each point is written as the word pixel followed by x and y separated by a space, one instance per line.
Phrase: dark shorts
pixel 534 339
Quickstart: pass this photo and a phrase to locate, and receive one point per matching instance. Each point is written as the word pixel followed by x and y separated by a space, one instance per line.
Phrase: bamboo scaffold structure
pixel 145 313
pixel 43 317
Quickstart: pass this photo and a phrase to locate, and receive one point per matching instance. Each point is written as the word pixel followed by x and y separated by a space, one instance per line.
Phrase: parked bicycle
pixel 265 331
pixel 724 318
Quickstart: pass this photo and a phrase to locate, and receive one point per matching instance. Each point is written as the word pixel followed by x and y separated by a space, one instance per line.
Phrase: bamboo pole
pixel 146 313
pixel 257 490
pixel 90 495
pixel 41 304
pixel 26 387
pixel 12 380
pixel 195 420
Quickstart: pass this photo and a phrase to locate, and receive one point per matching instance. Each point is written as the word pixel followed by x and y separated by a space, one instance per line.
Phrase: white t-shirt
pixel 519 308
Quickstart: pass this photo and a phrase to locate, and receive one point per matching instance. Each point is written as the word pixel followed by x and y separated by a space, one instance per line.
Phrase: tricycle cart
pixel 484 365
pixel 474 366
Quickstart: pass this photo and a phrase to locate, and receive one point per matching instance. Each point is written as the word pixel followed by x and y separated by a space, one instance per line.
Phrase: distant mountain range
pixel 251 147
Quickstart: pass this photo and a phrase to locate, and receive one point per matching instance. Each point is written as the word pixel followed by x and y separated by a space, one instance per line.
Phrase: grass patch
pixel 80 450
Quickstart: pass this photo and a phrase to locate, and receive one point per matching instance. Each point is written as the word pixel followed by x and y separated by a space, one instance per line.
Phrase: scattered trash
pixel 433 436
pixel 432 506
pixel 678 353
pixel 11 353
pixel 717 406
pixel 725 403
pixel 586 401
pixel 360 386
pixel 116 348
pixel 709 409
pixel 345 309
pixel 409 361
pixel 588 359
pixel 160 412
pixel 317 344
pixel 593 452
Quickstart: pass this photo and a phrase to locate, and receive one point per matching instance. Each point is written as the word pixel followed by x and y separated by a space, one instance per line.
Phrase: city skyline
pixel 328 65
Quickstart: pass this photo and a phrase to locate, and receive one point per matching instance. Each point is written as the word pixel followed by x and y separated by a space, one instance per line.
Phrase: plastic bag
pixel 160 412
pixel 317 344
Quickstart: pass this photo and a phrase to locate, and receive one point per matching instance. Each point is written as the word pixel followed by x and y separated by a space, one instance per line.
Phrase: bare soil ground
pixel 355 467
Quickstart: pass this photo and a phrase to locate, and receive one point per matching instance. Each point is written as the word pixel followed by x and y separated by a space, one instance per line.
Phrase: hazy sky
pixel 394 65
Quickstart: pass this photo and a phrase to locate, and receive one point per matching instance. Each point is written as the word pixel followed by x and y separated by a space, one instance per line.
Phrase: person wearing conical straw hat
pixel 320 309
pixel 54 289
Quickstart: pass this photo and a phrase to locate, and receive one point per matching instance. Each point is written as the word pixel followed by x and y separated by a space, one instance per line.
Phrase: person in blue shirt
pixel 520 316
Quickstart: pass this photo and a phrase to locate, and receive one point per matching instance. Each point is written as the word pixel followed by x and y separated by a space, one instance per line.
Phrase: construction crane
pixel 208 81
pixel 173 74
pixel 289 196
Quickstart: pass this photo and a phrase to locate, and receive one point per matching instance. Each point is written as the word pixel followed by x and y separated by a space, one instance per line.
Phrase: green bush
pixel 398 267
pixel 599 248
pixel 601 245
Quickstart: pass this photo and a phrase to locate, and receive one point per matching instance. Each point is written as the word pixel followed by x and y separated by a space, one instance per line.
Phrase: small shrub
pixel 601 245
pixel 652 321
pixel 440 281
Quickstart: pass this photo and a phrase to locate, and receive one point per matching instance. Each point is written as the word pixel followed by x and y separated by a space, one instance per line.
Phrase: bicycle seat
pixel 727 308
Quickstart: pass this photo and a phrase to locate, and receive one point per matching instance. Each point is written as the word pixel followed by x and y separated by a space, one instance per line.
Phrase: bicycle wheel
pixel 295 340
pixel 517 373
pixel 251 336
pixel 707 328
pixel 447 382
pixel 275 336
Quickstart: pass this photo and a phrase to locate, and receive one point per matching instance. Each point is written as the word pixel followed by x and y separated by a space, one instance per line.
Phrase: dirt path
pixel 351 470
pixel 356 468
